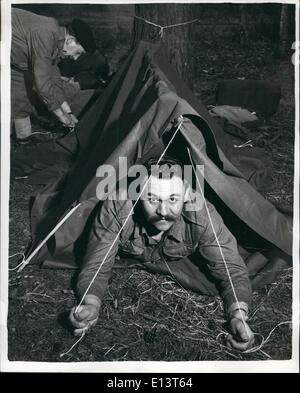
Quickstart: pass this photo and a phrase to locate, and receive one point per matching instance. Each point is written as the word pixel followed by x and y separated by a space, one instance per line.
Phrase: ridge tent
pixel 134 118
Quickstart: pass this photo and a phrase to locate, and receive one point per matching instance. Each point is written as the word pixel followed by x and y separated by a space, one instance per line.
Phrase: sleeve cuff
pixel 97 291
pixel 237 306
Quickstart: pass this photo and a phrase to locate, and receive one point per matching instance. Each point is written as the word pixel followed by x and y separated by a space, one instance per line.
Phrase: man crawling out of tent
pixel 164 231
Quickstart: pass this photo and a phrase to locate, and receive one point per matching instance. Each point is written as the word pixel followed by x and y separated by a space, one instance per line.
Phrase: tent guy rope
pixel 20 264
pixel 74 345
pixel 162 28
pixel 217 240
pixel 264 341
pixel 25 262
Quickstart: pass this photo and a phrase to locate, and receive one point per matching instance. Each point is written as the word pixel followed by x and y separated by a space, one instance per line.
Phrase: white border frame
pixel 243 366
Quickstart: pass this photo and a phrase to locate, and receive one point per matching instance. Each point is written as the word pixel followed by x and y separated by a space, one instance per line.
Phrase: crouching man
pixel 38 43
pixel 164 236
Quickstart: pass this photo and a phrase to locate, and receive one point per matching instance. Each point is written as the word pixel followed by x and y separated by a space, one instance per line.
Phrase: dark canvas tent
pixel 133 118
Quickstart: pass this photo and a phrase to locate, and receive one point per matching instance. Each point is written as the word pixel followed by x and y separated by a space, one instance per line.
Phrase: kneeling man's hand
pixel 241 337
pixel 86 316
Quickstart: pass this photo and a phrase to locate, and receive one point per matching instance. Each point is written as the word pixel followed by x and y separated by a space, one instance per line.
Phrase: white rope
pixel 127 218
pixel 217 240
pixel 25 262
pixel 264 341
pixel 17 253
pixel 41 133
pixel 74 345
pixel 162 28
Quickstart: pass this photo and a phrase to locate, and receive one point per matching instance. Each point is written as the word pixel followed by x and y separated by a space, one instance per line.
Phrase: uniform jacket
pixel 191 233
pixel 36 43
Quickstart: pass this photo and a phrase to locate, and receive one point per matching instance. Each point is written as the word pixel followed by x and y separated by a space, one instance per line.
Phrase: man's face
pixel 162 201
pixel 72 48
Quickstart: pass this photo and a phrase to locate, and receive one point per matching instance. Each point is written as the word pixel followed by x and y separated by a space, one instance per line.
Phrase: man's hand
pixel 73 119
pixel 86 316
pixel 74 83
pixel 241 336
pixel 68 120
pixel 65 115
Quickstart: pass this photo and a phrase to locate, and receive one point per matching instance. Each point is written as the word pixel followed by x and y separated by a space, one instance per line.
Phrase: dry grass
pixel 144 317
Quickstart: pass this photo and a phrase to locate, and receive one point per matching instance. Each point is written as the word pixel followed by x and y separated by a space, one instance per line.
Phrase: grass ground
pixel 145 316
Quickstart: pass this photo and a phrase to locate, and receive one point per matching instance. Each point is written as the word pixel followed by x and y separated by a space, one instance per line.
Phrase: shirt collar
pixel 175 232
pixel 140 230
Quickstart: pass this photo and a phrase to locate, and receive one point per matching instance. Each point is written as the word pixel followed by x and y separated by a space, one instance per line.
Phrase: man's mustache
pixel 157 218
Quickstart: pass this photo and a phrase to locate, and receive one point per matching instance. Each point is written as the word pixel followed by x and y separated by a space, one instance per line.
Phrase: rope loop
pixel 162 28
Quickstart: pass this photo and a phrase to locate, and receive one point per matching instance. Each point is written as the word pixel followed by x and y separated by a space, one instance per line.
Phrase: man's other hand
pixel 241 337
pixel 86 316
pixel 68 120
pixel 65 115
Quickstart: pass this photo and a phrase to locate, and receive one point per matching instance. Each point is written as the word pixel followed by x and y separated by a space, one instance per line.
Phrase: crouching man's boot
pixel 22 129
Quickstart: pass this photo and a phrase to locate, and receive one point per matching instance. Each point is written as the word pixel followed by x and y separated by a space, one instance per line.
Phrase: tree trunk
pixel 244 18
pixel 283 44
pixel 177 39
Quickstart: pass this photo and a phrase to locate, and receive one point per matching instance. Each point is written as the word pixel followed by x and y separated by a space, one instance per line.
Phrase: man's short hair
pixel 166 168
pixel 83 34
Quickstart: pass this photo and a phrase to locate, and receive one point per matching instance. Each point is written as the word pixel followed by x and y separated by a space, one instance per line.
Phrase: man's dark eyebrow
pixel 156 196
pixel 151 194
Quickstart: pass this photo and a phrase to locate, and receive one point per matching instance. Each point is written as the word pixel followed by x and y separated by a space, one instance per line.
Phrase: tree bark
pixel 244 17
pixel 283 44
pixel 178 40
